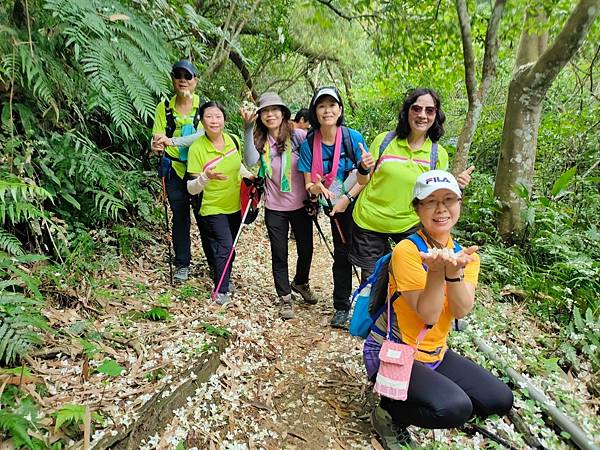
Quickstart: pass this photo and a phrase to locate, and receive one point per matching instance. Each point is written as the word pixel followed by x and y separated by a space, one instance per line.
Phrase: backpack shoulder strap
pixel 384 144
pixel 348 145
pixel 170 119
pixel 310 138
pixel 236 141
pixel 196 118
pixel 433 156
pixel 420 243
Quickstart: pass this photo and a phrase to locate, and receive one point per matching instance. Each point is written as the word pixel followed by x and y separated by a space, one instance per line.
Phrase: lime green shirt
pixel 384 205
pixel 219 196
pixel 160 125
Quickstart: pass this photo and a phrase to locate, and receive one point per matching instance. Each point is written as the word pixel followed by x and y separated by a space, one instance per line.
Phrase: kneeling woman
pixel 436 287
pixel 215 166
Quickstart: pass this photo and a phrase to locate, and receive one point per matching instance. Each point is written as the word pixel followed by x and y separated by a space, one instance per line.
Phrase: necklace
pixel 431 241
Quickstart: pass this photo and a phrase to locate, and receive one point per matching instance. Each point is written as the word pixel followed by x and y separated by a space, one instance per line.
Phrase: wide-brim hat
pixel 434 180
pixel 273 99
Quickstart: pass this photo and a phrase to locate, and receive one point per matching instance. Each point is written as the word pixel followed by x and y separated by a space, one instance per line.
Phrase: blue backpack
pixel 371 296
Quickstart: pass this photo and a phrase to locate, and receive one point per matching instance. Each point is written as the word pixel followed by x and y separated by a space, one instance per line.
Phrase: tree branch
pixel 236 59
pixel 491 41
pixel 467 44
pixel 568 41
pixel 329 4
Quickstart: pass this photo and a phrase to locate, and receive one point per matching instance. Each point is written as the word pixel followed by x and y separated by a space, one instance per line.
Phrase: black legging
pixel 448 396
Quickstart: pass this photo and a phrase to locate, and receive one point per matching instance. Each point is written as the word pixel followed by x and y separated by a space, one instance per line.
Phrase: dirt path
pixel 295 384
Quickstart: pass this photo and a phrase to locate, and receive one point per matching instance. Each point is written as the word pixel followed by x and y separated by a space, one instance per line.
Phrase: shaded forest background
pixel 79 81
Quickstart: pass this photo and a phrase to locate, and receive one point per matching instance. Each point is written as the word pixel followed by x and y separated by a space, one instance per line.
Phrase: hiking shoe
pixel 305 292
pixel 339 319
pixel 181 274
pixel 223 298
pixel 286 307
pixel 391 436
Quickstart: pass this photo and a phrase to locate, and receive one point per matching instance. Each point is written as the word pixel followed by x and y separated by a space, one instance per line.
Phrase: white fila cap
pixel 434 180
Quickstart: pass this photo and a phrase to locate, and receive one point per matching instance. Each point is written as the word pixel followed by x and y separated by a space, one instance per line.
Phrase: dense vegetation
pixel 79 81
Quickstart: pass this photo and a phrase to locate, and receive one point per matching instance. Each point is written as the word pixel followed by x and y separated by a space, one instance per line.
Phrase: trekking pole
pixel 237 236
pixel 316 221
pixel 342 237
pixel 168 231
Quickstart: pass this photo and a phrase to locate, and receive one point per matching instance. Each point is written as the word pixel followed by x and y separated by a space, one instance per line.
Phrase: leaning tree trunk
pixel 536 70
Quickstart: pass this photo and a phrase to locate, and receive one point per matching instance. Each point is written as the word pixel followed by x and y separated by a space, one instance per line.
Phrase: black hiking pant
pixel 181 202
pixel 368 246
pixel 278 224
pixel 223 229
pixel 342 267
pixel 449 395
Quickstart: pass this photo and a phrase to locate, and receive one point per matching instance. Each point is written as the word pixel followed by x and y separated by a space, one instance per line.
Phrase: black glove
pixel 311 207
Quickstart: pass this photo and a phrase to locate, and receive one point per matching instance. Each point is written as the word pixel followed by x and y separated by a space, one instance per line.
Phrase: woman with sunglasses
pixel 327 158
pixel 432 287
pixel 383 211
pixel 174 118
pixel 275 144
pixel 215 168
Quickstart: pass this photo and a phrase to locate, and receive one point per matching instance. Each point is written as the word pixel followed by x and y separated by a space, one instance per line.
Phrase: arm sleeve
pixel 198 184
pixel 251 155
pixel 186 141
pixel 305 161
pixel 244 172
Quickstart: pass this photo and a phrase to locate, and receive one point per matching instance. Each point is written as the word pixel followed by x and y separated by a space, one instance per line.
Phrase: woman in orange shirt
pixel 435 288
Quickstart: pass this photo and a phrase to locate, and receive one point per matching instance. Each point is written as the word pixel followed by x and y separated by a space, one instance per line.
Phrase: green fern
pixel 16 426
pixel 10 244
pixel 71 413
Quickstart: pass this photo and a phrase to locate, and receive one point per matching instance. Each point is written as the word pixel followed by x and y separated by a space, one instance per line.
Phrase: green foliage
pixel 16 422
pixel 111 368
pixel 69 414
pixel 216 330
pixel 157 314
pixel 582 335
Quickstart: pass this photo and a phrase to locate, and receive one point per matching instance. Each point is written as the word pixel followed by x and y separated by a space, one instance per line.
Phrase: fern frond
pixel 9 243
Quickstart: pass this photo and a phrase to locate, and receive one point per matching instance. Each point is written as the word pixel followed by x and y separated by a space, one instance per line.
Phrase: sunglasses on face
pixel 418 109
pixel 181 75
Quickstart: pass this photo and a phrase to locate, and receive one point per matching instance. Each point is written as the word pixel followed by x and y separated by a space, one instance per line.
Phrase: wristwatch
pixel 455 280
pixel 349 197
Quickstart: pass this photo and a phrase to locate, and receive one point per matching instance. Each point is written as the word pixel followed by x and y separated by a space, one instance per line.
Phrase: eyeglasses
pixel 182 74
pixel 449 202
pixel 429 110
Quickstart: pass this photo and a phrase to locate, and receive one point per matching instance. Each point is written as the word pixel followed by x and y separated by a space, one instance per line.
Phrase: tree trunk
pixel 476 96
pixel 536 69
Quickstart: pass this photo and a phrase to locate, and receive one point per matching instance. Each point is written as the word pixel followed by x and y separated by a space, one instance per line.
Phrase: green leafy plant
pixel 157 313
pixel 215 330
pixel 111 368
pixel 69 414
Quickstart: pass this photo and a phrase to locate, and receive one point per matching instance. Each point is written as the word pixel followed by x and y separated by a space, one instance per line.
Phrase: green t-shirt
pixel 219 197
pixel 160 125
pixel 384 205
